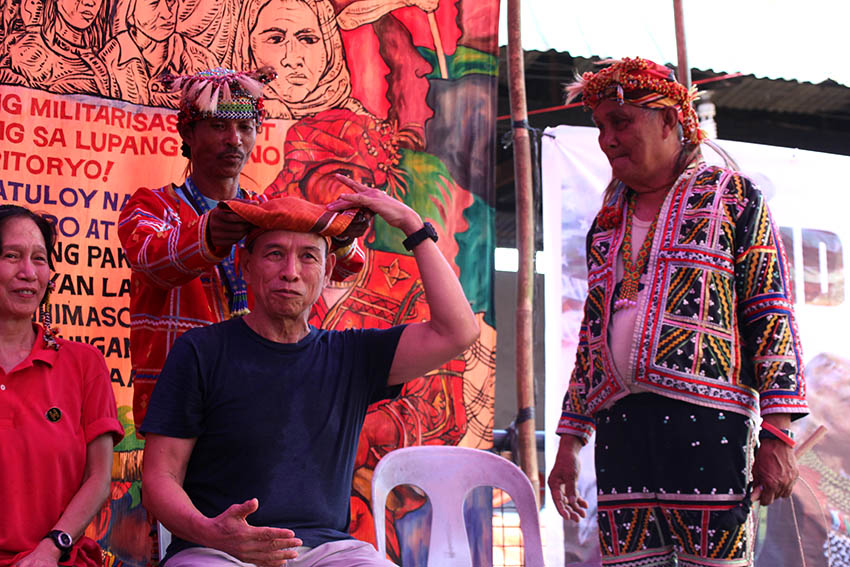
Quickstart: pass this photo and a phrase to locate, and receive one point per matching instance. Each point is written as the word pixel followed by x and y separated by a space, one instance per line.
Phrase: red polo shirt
pixel 51 406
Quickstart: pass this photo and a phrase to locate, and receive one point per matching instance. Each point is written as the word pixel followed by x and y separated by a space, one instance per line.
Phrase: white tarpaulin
pixel 810 200
pixel 787 39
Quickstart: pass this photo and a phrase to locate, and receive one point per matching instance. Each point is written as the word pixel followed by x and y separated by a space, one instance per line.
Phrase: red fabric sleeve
pixel 164 239
pixel 99 414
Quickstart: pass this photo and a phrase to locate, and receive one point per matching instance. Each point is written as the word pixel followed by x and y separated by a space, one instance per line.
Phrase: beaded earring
pixel 50 334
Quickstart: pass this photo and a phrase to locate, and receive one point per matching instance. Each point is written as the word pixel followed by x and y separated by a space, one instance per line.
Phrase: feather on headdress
pixel 220 93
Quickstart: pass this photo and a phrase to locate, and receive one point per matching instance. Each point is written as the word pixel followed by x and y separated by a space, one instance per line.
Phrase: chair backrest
pixel 447 474
pixel 163 537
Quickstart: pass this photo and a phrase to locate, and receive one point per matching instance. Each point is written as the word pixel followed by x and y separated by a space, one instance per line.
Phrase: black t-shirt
pixel 276 422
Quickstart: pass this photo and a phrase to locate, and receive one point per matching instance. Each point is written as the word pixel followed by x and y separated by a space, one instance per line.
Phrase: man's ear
pixel 670 118
pixel 243 255
pixel 185 131
pixel 330 262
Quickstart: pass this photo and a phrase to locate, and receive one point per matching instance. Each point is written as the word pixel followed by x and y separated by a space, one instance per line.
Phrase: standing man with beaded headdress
pixel 688 351
pixel 179 243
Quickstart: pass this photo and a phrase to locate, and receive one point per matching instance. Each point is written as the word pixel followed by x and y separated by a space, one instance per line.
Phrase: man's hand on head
pixel 265 547
pixel 452 326
pixel 225 228
pixel 359 224
pixel 393 211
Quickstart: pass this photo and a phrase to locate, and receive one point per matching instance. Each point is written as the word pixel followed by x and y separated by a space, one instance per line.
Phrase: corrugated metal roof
pixel 546 70
pixel 777 95
pixel 768 111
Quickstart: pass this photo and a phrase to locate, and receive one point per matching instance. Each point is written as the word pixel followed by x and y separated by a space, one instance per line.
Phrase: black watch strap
pixel 765 434
pixel 63 542
pixel 417 237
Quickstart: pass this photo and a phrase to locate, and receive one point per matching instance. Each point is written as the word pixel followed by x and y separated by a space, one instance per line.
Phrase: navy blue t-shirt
pixel 276 422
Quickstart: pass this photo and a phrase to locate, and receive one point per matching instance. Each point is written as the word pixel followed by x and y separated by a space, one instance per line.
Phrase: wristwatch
pixel 417 237
pixel 63 541
pixel 768 434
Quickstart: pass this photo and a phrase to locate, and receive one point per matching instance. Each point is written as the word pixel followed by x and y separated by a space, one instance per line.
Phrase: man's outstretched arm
pixel 163 472
pixel 452 327
pixel 169 253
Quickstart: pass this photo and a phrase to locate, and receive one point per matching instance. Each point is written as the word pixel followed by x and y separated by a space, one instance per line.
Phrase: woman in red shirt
pixel 58 420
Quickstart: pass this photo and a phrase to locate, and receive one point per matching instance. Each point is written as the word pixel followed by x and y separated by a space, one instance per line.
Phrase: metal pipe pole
pixel 681 45
pixel 525 246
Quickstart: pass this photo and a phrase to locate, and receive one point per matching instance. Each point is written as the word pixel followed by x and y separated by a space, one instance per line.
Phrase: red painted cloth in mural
pixel 338 140
pixel 389 75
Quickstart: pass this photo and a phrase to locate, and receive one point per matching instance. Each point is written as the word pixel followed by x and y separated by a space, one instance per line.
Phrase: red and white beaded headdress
pixel 642 83
pixel 220 93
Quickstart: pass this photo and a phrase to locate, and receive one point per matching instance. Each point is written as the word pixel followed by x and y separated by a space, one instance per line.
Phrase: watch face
pixel 64 539
pixel 431 231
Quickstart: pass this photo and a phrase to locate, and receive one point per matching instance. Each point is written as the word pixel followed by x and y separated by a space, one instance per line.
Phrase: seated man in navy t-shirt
pixel 253 425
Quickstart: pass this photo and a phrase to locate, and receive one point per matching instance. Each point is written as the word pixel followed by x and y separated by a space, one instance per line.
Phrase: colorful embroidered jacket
pixel 715 327
pixel 174 285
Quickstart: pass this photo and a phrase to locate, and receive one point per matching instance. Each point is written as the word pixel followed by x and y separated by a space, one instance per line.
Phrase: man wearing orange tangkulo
pixel 252 429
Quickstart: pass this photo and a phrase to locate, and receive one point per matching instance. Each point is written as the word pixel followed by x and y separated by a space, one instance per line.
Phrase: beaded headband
pixel 642 83
pixel 220 93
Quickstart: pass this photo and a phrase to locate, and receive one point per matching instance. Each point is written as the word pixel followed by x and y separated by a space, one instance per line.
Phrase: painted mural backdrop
pixel 84 123
pixel 812 527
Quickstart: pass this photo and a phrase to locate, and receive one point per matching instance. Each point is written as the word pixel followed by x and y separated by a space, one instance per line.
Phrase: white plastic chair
pixel 447 474
pixel 163 537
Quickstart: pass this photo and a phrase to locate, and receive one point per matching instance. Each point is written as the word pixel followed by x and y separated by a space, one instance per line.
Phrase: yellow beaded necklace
pixel 633 270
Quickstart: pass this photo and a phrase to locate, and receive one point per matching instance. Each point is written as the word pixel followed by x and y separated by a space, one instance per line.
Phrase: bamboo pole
pixel 525 246
pixel 812 440
pixel 438 45
pixel 681 45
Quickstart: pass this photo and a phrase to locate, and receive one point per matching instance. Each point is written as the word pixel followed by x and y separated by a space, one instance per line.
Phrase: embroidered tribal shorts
pixel 666 470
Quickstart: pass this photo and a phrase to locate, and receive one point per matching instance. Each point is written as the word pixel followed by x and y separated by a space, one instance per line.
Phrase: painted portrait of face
pixel 11 17
pixel 79 14
pixel 157 19
pixel 301 40
pixel 288 38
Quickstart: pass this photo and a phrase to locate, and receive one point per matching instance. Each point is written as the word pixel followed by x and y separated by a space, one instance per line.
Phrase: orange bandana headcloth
pixel 642 83
pixel 298 215
pixel 291 213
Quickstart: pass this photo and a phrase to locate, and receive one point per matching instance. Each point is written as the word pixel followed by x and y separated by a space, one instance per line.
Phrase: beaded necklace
pixel 633 270
pixel 834 485
pixel 230 273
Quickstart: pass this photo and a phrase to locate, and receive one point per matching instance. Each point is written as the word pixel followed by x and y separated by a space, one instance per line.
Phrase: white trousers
pixel 343 553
